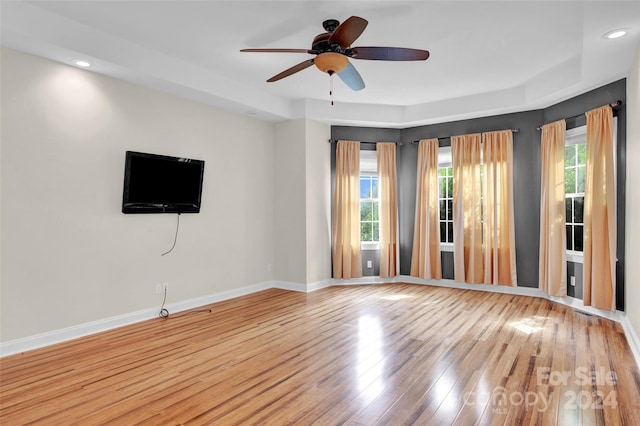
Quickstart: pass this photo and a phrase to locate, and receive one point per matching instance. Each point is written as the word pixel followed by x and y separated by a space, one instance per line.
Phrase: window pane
pixel 578 205
pixel 365 231
pixel 443 209
pixel 376 231
pixel 450 209
pixel 375 210
pixel 374 187
pixel 569 237
pixel 443 232
pixel 450 232
pixel 582 153
pixel 450 187
pixel 450 171
pixel 365 186
pixel 366 210
pixel 582 171
pixel 570 156
pixel 570 181
pixel 577 238
pixel 442 184
pixel 568 206
pixel 442 171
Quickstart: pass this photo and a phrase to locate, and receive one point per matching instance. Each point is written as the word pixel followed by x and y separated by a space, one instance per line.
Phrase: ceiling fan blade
pixel 294 69
pixel 279 50
pixel 389 53
pixel 351 77
pixel 348 31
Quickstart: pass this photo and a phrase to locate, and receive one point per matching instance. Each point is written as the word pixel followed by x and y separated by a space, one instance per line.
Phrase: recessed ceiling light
pixel 620 32
pixel 82 63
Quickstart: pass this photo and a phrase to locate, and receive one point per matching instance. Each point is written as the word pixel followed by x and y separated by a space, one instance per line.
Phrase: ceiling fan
pixel 333 50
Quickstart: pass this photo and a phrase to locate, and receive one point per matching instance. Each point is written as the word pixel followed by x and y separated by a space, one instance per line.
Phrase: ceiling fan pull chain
pixel 331 87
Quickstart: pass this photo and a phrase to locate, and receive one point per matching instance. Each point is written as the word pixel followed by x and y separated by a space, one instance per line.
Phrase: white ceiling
pixel 486 57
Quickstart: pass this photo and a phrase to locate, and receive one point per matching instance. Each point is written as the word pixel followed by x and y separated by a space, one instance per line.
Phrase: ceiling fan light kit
pixel 333 50
pixel 331 62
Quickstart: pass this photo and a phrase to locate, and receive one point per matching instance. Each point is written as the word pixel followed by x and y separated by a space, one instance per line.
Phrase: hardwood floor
pixel 359 355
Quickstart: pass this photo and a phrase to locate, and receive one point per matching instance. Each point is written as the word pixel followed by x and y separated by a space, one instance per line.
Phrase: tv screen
pixel 161 184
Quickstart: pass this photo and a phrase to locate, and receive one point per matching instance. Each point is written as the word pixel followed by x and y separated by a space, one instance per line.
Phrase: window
pixel 575 166
pixel 575 157
pixel 369 201
pixel 445 197
pixel 445 201
pixel 369 206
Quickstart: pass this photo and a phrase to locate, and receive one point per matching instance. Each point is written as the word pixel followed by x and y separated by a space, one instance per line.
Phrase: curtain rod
pixel 449 137
pixel 397 143
pixel 614 106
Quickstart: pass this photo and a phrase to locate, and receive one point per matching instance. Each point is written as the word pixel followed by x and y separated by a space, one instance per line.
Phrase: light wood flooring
pixel 390 354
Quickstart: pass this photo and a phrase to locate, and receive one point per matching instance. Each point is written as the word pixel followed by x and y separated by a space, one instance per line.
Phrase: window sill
pixel 575 256
pixel 372 245
pixel 572 256
pixel 446 247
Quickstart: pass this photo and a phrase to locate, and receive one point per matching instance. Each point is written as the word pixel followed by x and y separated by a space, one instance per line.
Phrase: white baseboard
pixel 62 335
pixel 291 286
pixel 304 288
pixel 520 291
pixel 372 279
pixel 319 284
pixel 74 332
pixel 632 339
pixel 572 302
pixel 57 336
pixel 578 305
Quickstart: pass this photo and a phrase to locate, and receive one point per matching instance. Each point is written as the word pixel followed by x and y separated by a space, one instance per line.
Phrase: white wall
pixel 632 212
pixel 69 256
pixel 302 202
pixel 318 201
pixel 290 216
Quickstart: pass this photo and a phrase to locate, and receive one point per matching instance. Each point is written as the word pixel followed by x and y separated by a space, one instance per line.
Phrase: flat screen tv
pixel 161 184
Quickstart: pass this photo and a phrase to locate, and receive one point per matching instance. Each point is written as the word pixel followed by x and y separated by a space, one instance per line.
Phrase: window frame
pixel 445 160
pixel 573 137
pixel 369 167
pixel 576 136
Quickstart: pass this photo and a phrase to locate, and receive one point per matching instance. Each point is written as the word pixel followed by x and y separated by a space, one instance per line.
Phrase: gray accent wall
pixel 362 134
pixel 575 107
pixel 526 157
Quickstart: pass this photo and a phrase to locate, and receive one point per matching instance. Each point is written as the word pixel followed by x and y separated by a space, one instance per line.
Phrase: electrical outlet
pixel 165 287
pixel 573 281
pixel 158 288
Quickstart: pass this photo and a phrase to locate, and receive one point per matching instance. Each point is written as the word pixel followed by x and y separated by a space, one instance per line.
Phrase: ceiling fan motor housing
pixel 321 43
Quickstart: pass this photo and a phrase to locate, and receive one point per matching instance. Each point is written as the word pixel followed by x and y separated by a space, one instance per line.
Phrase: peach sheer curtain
pixel 425 259
pixel 600 212
pixel 388 208
pixel 483 221
pixel 467 209
pixel 347 258
pixel 498 221
pixel 553 237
